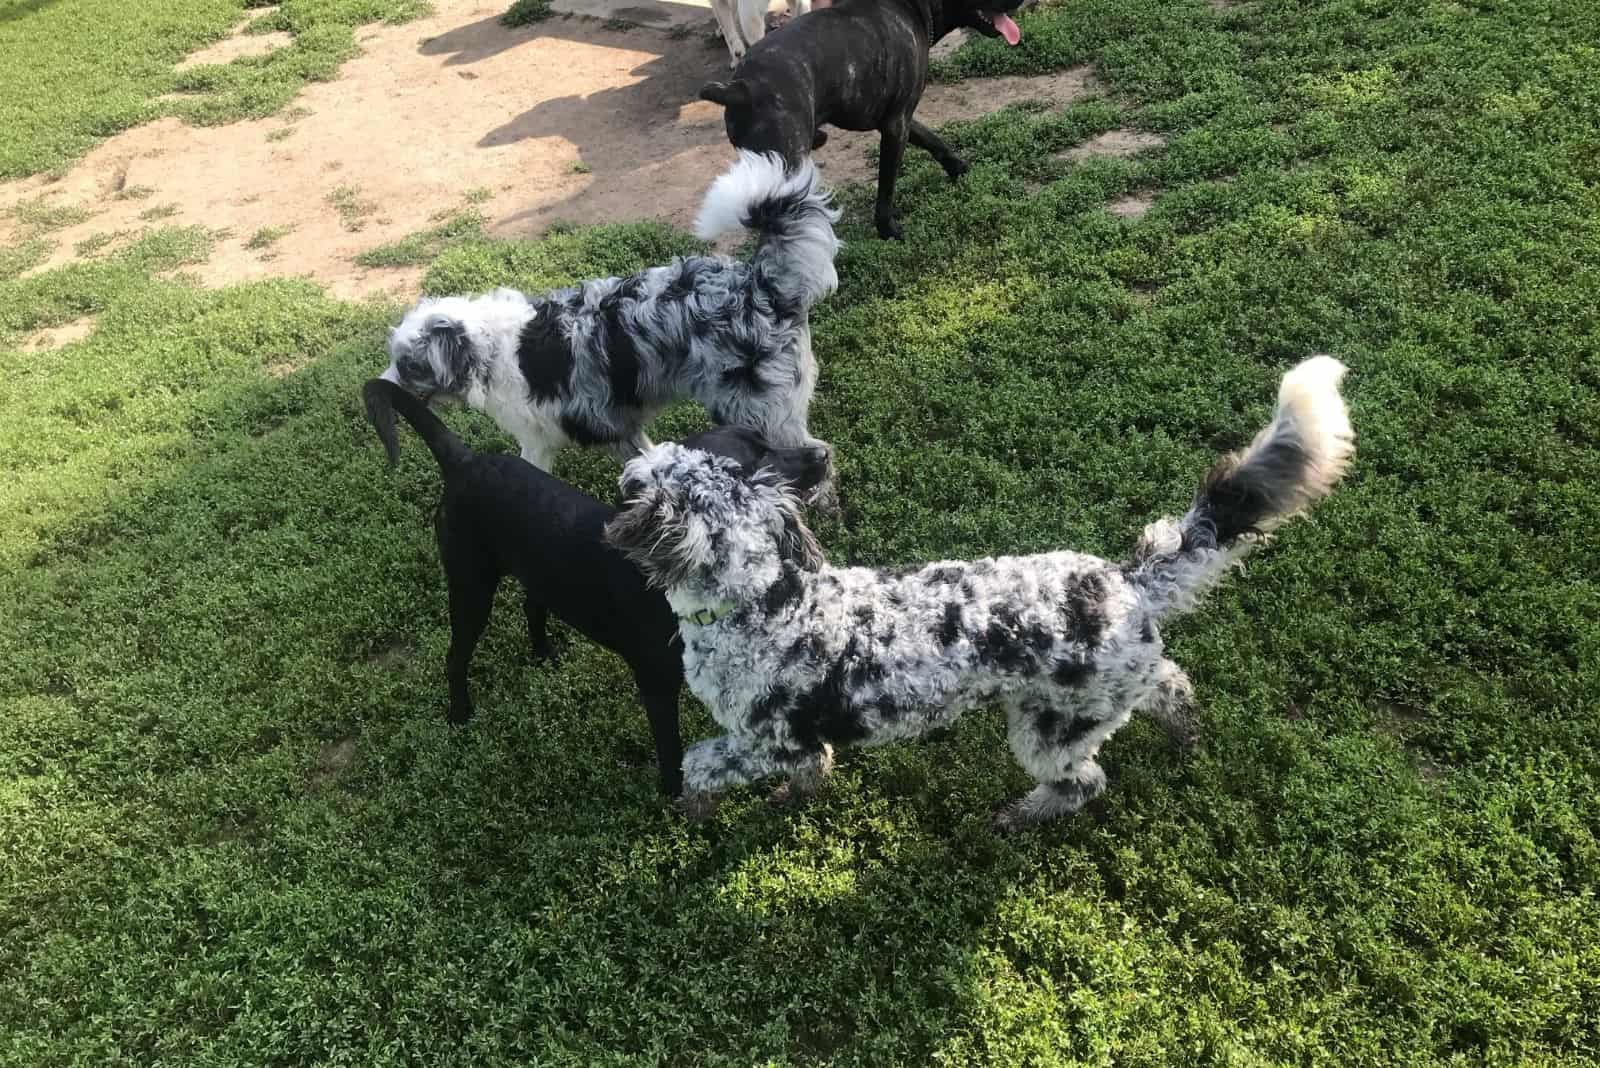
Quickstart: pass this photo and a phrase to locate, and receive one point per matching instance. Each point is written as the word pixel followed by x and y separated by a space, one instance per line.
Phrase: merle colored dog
pixel 594 363
pixel 793 656
pixel 502 516
pixel 858 65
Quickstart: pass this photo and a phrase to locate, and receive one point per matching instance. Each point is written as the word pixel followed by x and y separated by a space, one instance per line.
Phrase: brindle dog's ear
pixel 729 94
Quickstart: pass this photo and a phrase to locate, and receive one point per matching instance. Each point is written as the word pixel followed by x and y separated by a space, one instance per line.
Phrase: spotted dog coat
pixel 793 656
pixel 591 365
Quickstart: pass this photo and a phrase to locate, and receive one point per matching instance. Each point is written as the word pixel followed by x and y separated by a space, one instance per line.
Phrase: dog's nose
pixel 818 454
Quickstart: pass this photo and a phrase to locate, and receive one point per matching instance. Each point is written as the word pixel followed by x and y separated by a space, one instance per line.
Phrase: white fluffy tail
pixel 794 216
pixel 1293 462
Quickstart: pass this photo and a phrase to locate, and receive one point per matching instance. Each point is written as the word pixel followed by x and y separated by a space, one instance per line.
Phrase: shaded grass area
pixel 74 71
pixel 238 831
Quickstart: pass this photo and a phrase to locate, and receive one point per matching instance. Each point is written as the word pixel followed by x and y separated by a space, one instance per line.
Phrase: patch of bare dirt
pixel 562 120
pixel 240 45
pixel 1114 144
pixel 55 337
pixel 1132 207
pixel 332 758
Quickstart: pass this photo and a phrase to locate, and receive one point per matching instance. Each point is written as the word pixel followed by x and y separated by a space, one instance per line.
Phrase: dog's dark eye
pixel 632 488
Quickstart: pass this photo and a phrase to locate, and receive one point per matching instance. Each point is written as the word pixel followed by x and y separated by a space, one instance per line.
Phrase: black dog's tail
pixel 794 216
pixel 384 398
pixel 1290 465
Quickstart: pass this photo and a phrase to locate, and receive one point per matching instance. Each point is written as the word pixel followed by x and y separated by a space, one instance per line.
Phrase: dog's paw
pixel 819 140
pixel 888 228
pixel 543 652
pixel 1010 819
pixel 1183 737
pixel 698 807
pixel 458 715
pixel 795 791
pixel 957 169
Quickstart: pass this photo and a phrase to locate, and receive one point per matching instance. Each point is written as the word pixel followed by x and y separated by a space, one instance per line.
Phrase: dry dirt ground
pixel 562 120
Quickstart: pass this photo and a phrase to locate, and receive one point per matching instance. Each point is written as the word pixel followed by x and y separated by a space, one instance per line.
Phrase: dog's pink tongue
pixel 1007 28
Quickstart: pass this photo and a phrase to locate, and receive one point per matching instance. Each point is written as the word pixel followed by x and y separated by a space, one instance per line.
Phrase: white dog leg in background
pixel 728 23
pixel 752 20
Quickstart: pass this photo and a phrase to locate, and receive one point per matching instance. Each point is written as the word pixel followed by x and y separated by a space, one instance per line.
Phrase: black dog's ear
pixel 380 413
pixel 450 337
pixel 729 94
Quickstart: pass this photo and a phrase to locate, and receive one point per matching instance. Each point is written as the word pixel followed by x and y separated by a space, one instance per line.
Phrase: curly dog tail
pixel 1290 465
pixel 383 398
pixel 794 217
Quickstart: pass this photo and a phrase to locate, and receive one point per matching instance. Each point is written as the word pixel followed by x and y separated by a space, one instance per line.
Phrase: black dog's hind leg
pixel 820 139
pixel 471 598
pixel 538 615
pixel 891 148
pixel 926 139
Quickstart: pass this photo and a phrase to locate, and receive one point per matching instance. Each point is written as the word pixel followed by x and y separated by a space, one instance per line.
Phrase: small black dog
pixel 858 65
pixel 500 516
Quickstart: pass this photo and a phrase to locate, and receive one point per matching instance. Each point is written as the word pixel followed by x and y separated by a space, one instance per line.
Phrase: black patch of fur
pixel 950 626
pixel 824 713
pixel 584 433
pixel 1147 632
pixel 944 576
pixel 1075 731
pixel 769 705
pixel 1083 608
pixel 622 355
pixel 684 283
pixel 544 355
pixel 1070 672
pixel 784 590
pixel 887 707
pixel 1236 498
pixel 806 649
pixel 1046 720
pixel 1002 645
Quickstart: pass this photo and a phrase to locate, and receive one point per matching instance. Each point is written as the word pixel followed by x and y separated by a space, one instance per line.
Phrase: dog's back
pixel 852 65
pixel 502 516
pixel 519 521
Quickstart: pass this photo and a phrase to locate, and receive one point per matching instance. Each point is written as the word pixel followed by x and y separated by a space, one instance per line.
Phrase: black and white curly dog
pixel 593 364
pixel 793 656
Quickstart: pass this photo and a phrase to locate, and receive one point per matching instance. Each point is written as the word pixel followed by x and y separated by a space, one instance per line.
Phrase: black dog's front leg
pixel 891 148
pixel 662 710
pixel 930 142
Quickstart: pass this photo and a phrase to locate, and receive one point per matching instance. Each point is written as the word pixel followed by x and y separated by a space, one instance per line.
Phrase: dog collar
pixel 706 616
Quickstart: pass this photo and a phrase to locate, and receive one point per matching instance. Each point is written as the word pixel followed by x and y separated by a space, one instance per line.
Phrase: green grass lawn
pixel 75 71
pixel 235 829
